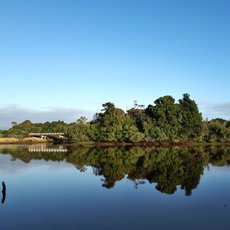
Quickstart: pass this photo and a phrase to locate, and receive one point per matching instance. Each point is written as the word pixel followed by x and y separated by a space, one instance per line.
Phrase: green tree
pixel 114 125
pixel 191 122
pixel 166 118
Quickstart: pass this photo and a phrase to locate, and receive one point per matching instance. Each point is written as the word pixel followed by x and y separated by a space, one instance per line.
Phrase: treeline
pixel 165 120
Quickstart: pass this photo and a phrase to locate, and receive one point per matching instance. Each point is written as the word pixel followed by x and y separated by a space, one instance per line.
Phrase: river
pixel 58 187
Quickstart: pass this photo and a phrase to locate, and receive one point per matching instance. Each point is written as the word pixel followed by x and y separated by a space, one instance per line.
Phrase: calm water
pixel 50 187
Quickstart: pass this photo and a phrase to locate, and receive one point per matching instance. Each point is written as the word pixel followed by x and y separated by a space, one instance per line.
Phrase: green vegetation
pixel 165 120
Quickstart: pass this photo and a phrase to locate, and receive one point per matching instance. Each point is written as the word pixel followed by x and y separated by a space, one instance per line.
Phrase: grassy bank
pixel 11 140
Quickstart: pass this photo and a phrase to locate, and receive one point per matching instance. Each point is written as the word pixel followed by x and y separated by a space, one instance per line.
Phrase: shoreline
pixel 148 144
pixel 35 140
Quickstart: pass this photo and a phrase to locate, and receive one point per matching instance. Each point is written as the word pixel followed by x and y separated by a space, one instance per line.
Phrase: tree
pixel 81 120
pixel 191 122
pixel 165 115
pixel 14 123
pixel 113 124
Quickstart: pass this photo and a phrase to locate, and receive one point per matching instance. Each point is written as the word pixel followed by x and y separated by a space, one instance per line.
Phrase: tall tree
pixel 166 116
pixel 191 117
pixel 115 125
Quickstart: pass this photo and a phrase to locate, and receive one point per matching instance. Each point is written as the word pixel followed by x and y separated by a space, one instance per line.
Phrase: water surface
pixel 53 187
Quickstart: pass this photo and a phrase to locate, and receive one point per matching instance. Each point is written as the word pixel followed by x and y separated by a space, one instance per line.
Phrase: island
pixel 166 122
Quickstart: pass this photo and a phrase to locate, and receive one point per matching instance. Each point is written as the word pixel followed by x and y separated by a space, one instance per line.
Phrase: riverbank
pixel 36 140
pixel 26 140
pixel 148 144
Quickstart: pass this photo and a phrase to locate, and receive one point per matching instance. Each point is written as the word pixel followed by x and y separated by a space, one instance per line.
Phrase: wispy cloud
pixel 216 110
pixel 222 107
pixel 18 114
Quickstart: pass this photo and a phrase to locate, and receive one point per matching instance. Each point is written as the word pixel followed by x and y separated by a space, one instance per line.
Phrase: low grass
pixel 10 140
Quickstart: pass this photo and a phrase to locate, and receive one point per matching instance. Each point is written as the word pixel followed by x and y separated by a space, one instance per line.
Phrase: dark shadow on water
pixel 3 192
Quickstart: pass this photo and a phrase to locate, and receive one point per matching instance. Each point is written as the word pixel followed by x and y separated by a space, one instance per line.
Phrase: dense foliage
pixel 165 120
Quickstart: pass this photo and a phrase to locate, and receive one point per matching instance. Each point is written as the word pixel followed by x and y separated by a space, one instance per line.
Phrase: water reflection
pixel 3 192
pixel 46 148
pixel 166 168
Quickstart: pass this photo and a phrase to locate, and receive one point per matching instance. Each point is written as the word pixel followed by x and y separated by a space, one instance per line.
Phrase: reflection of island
pixel 167 168
pixel 3 192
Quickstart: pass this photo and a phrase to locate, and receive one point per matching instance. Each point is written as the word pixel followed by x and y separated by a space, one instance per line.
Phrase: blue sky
pixel 64 58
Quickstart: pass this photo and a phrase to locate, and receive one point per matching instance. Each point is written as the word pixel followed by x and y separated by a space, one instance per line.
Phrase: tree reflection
pixel 167 169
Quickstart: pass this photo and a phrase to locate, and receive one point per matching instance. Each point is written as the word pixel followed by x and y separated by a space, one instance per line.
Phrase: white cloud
pixel 19 114
pixel 217 110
